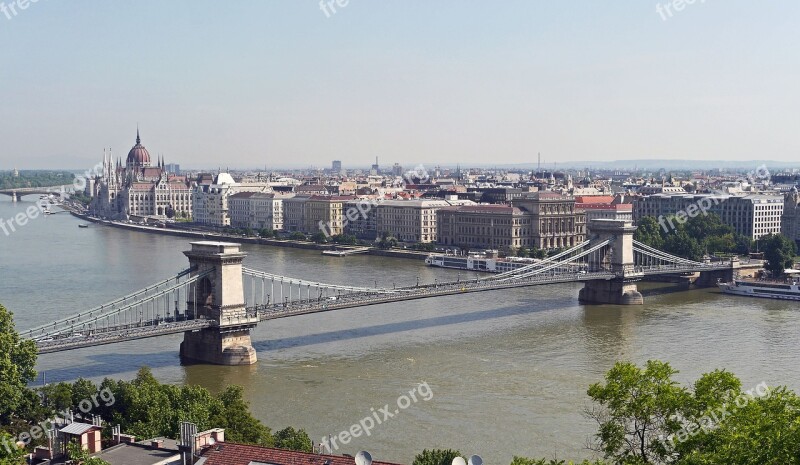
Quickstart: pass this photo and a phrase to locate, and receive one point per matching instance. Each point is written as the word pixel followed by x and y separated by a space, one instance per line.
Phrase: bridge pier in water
pixel 218 296
pixel 620 259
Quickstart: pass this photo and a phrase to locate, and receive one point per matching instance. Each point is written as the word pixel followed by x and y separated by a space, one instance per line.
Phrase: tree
pixel 522 252
pixel 10 453
pixel 681 244
pixel 17 363
pixel 436 457
pixel 765 431
pixel 649 232
pixel 57 397
pixel 779 253
pixel 319 238
pixel 637 410
pixel 527 461
pixel 234 415
pixel 387 240
pixel 297 236
pixel 80 456
pixel 291 439
pixel 266 233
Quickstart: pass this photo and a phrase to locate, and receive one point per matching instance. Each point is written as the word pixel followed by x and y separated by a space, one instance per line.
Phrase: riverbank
pixel 198 235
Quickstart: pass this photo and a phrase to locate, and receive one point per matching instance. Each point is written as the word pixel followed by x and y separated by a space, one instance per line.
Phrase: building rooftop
pixel 239 454
pixel 142 454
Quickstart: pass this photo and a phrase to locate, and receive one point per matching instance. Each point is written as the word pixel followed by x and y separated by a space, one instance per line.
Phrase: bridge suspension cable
pixel 544 262
pixel 655 253
pixel 263 274
pixel 145 303
pixel 569 264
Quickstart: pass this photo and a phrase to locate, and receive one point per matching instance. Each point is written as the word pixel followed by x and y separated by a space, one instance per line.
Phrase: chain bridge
pixel 217 301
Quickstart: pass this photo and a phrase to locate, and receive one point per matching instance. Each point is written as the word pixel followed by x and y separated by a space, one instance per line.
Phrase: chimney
pixel 157 443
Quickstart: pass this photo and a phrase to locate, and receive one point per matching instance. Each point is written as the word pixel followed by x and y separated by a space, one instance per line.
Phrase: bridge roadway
pixel 162 327
pixel 55 190
pixel 89 338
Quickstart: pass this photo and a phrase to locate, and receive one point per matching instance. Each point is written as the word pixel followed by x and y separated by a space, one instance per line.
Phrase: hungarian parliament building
pixel 138 188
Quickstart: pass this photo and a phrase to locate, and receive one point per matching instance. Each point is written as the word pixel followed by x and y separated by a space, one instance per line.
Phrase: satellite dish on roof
pixel 475 460
pixel 459 461
pixel 363 458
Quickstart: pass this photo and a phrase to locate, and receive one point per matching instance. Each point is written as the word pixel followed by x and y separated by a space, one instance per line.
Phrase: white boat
pixel 789 290
pixel 486 262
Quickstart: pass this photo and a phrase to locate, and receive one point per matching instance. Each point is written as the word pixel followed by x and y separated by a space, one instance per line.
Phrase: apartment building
pixel 484 226
pixel 256 210
pixel 754 215
pixel 210 201
pixel 327 210
pixel 294 213
pixel 607 207
pixel 411 220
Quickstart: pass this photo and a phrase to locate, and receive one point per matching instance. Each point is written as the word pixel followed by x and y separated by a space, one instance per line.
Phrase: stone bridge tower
pixel 619 259
pixel 218 296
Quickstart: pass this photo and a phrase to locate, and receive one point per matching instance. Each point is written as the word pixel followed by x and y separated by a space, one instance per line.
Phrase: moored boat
pixel 789 290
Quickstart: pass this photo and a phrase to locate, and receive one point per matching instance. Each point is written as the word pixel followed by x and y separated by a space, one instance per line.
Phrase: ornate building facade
pixel 138 188
pixel 790 221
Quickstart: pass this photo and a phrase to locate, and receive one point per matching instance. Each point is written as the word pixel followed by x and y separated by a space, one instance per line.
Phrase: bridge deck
pixel 147 329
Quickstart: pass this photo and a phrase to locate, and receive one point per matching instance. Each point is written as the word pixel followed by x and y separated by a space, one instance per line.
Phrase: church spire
pixel 138 139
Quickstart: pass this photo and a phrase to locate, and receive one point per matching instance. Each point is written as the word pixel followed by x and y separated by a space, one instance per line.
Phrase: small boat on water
pixel 789 290
pixel 83 225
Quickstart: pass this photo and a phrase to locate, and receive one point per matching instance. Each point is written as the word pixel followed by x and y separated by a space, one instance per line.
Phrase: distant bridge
pixel 216 302
pixel 15 194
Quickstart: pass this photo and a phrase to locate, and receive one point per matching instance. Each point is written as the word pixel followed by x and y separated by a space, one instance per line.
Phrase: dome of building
pixel 138 154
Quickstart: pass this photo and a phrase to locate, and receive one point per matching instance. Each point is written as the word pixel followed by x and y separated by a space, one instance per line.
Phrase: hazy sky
pixel 280 83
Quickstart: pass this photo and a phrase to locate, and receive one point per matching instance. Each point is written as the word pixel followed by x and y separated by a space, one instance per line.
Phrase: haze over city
pixel 297 84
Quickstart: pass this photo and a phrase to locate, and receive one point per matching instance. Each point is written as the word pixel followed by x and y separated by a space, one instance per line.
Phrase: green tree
pixel 234 415
pixel 10 454
pixel 527 461
pixel 17 363
pixel 80 456
pixel 291 439
pixel 649 232
pixel 387 240
pixel 766 431
pixel 266 233
pixel 680 243
pixel 297 236
pixel 436 457
pixel 57 397
pixel 637 408
pixel 83 389
pixel 319 238
pixel 779 252
pixel 522 252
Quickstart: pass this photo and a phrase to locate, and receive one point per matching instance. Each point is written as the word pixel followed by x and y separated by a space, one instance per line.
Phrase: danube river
pixel 508 370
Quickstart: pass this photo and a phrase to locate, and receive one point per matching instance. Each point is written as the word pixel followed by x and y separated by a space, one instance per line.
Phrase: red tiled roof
pixel 240 454
pixel 585 199
pixel 605 206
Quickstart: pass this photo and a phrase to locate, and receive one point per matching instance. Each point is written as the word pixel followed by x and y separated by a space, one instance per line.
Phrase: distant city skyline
pixel 288 85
